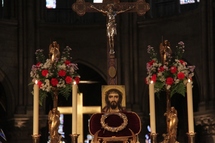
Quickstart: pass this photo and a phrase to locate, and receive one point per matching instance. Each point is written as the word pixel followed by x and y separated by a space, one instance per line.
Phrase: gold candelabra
pixel 191 137
pixel 153 137
pixel 74 138
pixel 36 138
pixel 171 113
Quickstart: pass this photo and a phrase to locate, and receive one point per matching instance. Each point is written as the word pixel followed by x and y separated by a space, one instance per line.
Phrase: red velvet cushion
pixel 134 124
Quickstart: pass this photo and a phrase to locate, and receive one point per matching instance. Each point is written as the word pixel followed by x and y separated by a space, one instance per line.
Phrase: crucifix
pixel 80 110
pixel 111 8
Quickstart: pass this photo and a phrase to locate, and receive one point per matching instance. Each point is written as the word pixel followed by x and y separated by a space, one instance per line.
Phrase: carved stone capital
pixel 207 123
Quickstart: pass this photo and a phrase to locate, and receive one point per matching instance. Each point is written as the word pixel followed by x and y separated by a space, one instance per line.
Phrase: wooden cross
pixel 111 8
pixel 81 110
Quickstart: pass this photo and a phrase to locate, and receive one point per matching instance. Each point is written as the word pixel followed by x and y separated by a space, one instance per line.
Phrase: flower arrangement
pixel 58 75
pixel 172 76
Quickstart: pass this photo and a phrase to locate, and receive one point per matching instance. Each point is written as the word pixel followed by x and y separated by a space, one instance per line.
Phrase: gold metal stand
pixel 74 138
pixel 36 138
pixel 153 137
pixel 191 137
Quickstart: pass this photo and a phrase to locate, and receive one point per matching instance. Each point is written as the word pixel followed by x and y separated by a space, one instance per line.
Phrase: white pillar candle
pixel 74 108
pixel 36 109
pixel 190 107
pixel 152 107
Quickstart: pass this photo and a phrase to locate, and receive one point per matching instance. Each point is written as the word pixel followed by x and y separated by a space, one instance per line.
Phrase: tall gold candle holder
pixel 74 138
pixel 191 137
pixel 153 137
pixel 36 138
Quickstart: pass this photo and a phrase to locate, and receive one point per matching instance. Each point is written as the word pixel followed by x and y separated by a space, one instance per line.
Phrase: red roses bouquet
pixel 172 76
pixel 58 75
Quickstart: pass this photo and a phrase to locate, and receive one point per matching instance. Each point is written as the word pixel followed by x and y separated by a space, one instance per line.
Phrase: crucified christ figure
pixel 111 13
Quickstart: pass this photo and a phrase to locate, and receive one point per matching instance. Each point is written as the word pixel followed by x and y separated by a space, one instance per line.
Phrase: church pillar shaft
pixel 205 76
pixel 26 47
pixel 210 41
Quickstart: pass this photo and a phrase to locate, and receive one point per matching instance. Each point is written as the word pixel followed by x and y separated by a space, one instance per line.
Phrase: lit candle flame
pixel 36 81
pixel 74 82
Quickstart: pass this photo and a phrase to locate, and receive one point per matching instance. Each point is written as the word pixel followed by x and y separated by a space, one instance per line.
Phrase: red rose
pixel 151 62
pixel 181 75
pixel 38 64
pixel 39 83
pixel 77 79
pixel 181 61
pixel 68 79
pixel 161 69
pixel 154 77
pixel 62 73
pixel 67 62
pixel 173 69
pixel 54 82
pixel 45 72
pixel 169 80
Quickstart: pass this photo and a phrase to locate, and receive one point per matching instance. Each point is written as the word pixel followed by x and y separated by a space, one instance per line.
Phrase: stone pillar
pixel 31 46
pixel 210 57
pixel 126 56
pixel 205 90
pixel 26 49
pixel 21 48
pixel 204 118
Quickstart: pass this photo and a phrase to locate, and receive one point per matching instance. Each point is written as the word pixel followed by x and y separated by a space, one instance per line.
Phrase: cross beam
pixel 81 110
pixel 111 8
pixel 81 7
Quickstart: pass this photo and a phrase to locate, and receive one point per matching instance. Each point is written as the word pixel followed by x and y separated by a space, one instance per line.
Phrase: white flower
pixel 168 87
pixel 62 67
pixel 47 64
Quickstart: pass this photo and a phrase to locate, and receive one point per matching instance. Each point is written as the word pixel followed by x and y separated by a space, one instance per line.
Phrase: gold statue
pixel 111 23
pixel 54 51
pixel 54 122
pixel 172 123
pixel 165 51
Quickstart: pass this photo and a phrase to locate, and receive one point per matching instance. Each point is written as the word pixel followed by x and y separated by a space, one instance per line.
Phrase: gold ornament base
pixel 74 138
pixel 191 137
pixel 36 138
pixel 153 137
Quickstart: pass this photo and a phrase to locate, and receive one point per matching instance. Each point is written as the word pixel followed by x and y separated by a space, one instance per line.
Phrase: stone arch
pixel 8 94
pixel 93 67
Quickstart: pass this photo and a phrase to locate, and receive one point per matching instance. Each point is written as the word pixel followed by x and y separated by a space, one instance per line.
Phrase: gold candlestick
pixel 153 137
pixel 36 138
pixel 191 137
pixel 74 138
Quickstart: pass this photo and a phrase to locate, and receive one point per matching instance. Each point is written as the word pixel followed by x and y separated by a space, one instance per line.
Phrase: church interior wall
pixel 88 43
pixel 9 62
pixel 89 46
